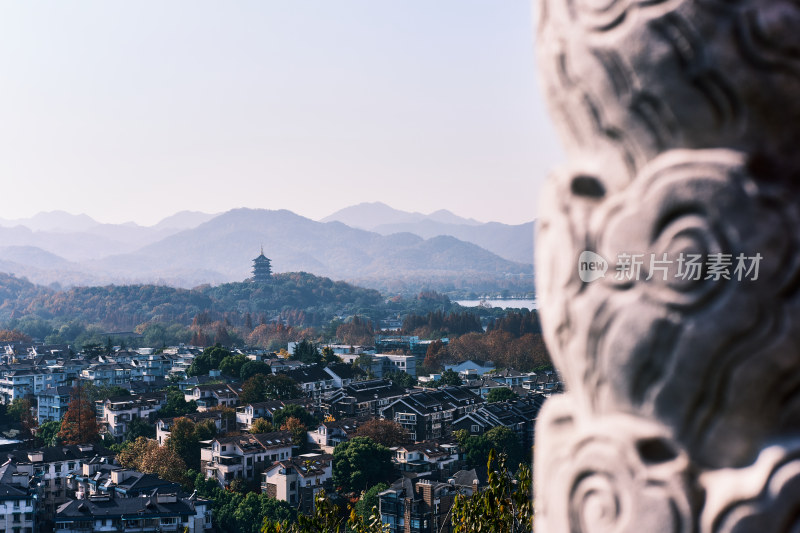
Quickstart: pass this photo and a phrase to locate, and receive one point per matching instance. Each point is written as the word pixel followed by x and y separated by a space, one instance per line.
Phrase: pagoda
pixel 262 269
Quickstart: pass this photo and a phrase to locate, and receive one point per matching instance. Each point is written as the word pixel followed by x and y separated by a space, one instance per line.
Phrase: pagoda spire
pixel 262 268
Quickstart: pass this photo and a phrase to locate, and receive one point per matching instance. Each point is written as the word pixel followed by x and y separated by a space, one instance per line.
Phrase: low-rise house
pixel 471 367
pixel 257 354
pixel 298 480
pixel 119 411
pixel 284 365
pixel 510 377
pixel 432 459
pixel 313 380
pixel 544 382
pixel 208 396
pixel 110 373
pixel 420 507
pixel 162 512
pixel 344 374
pixel 52 465
pixel 347 349
pixel 152 366
pixel 483 385
pixel 104 478
pixel 383 363
pixel 362 398
pixel 428 415
pixel 52 403
pixel 328 434
pixel 221 421
pixel 244 456
pixel 18 502
pixel 518 414
pixel 247 414
pixel 27 382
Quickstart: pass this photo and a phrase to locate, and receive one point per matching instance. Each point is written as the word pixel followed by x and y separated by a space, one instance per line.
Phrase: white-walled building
pixel 298 480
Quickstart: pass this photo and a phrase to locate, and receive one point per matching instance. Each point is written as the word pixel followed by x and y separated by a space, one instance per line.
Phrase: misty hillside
pixel 220 249
pixel 228 243
pixel 512 242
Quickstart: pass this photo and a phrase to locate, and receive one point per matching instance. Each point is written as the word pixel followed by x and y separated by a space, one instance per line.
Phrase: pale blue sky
pixel 135 110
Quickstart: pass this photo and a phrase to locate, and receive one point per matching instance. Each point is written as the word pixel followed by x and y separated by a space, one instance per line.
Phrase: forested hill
pixel 123 307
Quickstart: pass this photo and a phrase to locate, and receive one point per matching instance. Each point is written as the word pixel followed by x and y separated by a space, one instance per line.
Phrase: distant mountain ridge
pixel 370 215
pixel 296 243
pixel 512 242
pixel 219 249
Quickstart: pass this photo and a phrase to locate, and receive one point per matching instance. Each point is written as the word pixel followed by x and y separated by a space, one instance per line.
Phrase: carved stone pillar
pixel 680 119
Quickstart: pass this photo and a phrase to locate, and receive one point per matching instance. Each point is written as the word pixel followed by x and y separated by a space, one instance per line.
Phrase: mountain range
pixel 370 244
pixel 512 242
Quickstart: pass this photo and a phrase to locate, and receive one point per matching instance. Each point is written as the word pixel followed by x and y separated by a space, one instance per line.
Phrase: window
pixel 292 485
pixel 476 428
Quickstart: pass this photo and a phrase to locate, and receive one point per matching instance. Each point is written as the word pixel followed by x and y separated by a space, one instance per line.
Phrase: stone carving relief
pixel 680 120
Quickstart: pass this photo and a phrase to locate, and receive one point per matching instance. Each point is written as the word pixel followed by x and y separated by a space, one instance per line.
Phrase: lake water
pixel 505 303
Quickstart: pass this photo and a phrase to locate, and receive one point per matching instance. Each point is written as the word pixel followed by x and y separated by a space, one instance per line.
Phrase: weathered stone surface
pixel 680 120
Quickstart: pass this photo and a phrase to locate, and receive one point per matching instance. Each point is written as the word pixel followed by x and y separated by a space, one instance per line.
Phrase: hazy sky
pixel 136 110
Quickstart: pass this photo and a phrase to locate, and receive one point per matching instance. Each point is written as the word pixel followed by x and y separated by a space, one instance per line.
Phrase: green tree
pixel 20 411
pixel 327 518
pixel 261 425
pixel 185 436
pixel 139 427
pixel 307 352
pixel 504 506
pixel 500 438
pixel 299 432
pixel 177 405
pixel 292 410
pixel 360 463
pixel 235 512
pixel 401 379
pixel 254 389
pixel 501 394
pixel 232 365
pixel 369 500
pixel 328 356
pixel 251 368
pixel 94 393
pixel 205 487
pixel 263 387
pixel 210 359
pixel 450 378
pixel 93 349
pixel 201 366
pixel 47 432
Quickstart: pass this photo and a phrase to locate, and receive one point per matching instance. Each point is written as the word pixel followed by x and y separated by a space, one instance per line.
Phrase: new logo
pixel 591 266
